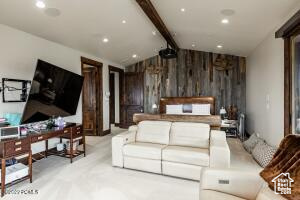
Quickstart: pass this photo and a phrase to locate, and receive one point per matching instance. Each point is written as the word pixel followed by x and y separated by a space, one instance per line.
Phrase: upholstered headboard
pixel 186 101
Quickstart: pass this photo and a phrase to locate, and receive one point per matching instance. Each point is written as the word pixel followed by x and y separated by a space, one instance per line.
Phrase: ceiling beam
pixel 153 15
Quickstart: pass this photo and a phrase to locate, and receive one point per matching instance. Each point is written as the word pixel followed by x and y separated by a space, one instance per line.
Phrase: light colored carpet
pixel 93 177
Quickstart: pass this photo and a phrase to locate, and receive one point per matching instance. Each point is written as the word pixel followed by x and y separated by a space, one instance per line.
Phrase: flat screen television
pixel 54 92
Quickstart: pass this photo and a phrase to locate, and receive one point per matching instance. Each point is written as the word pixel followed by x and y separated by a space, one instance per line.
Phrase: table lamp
pixel 154 107
pixel 223 113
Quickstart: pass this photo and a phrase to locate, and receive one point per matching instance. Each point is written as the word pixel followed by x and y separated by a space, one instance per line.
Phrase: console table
pixel 14 147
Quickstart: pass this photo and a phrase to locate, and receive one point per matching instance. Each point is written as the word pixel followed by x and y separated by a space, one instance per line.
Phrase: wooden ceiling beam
pixel 153 15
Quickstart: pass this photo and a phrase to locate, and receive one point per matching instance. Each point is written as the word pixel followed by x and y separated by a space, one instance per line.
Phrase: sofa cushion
pixel 251 142
pixel 201 109
pixel 174 109
pixel 263 153
pixel 143 150
pixel 190 134
pixel 240 158
pixel 214 195
pixel 186 155
pixel 154 132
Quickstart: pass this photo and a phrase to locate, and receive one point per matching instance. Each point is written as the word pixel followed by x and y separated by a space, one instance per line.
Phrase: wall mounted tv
pixel 54 92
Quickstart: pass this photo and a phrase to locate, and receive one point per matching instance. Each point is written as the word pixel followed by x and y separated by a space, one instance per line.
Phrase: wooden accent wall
pixel 193 74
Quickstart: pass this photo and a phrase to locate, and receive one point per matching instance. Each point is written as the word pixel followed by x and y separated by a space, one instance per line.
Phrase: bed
pixel 187 114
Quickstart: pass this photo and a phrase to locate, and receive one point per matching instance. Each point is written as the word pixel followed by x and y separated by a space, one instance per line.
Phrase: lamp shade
pixel 154 106
pixel 223 111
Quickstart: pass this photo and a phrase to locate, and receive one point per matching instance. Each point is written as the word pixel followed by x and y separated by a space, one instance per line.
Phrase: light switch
pixel 268 101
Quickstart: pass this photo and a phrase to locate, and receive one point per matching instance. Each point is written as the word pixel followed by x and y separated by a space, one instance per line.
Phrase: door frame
pixel 121 92
pixel 99 92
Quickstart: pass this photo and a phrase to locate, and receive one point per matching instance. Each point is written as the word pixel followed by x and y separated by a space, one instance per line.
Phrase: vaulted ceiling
pixel 83 24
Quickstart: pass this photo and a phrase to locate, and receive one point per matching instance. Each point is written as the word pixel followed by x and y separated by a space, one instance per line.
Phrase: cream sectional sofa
pixel 177 149
pixel 241 182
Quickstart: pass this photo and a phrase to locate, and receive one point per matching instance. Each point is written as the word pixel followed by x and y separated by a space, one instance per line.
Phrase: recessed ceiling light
pixel 134 55
pixel 123 21
pixel 105 40
pixel 153 32
pixel 182 9
pixel 225 21
pixel 220 46
pixel 193 45
pixel 40 4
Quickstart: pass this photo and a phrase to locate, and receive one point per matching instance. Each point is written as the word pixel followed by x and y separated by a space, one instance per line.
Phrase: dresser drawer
pixel 67 131
pixel 38 138
pixel 56 134
pixel 77 130
pixel 17 147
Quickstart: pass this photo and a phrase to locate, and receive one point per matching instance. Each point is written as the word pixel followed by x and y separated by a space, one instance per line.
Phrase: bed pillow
pixel 174 109
pixel 263 153
pixel 251 142
pixel 201 109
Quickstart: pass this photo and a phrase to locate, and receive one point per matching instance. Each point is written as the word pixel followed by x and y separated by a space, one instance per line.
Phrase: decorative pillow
pixel 251 142
pixel 174 109
pixel 263 153
pixel 286 159
pixel 187 108
pixel 201 109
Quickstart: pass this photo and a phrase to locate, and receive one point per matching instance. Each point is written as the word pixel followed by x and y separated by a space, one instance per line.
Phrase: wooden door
pixel 89 100
pixel 133 97
pixel 112 98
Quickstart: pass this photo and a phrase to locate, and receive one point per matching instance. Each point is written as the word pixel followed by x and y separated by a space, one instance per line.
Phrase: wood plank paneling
pixel 193 74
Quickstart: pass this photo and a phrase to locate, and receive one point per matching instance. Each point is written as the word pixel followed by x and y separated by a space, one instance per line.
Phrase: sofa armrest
pixel 117 144
pixel 239 183
pixel 219 152
pixel 133 128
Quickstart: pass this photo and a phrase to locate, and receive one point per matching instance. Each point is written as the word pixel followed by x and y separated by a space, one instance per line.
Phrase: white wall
pixel 265 88
pixel 19 52
pixel 264 80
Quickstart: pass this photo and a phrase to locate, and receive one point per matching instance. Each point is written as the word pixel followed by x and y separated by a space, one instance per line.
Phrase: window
pixel 295 48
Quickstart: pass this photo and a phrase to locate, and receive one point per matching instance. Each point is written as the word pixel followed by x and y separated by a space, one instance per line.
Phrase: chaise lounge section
pixel 234 184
